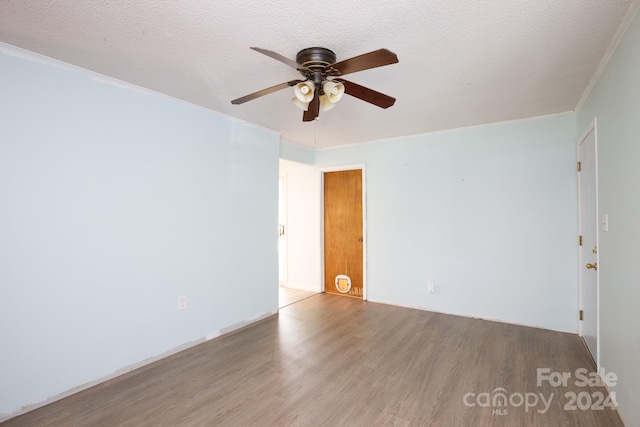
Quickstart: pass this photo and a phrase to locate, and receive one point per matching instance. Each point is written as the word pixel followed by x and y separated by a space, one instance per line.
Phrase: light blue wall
pixel 615 102
pixel 296 153
pixel 488 212
pixel 113 203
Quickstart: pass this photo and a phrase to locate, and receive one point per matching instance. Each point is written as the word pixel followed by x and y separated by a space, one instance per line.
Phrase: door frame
pixel 593 127
pixel 323 170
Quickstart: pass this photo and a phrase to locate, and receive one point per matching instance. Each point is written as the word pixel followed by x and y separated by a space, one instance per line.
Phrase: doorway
pixel 299 231
pixel 282 238
pixel 343 232
pixel 588 240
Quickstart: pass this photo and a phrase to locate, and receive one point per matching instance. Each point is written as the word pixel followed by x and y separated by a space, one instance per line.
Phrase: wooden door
pixel 343 231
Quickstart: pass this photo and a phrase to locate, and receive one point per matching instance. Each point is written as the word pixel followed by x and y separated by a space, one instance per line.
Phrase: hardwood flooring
pixel 335 361
pixel 288 296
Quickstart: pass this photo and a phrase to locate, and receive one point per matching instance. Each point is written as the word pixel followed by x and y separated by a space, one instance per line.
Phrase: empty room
pixel 324 214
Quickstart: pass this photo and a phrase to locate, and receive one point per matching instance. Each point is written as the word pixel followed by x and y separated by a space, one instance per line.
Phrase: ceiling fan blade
pixel 374 59
pixel 281 58
pixel 266 91
pixel 314 108
pixel 366 94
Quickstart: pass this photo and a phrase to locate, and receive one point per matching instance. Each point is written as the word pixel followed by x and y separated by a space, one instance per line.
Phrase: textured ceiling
pixel 462 63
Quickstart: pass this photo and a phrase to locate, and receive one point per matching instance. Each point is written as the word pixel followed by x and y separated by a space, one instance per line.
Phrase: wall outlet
pixel 182 302
pixel 431 286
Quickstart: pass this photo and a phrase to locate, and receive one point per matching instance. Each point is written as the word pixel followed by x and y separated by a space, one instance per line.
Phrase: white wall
pixel 615 101
pixel 303 204
pixel 113 203
pixel 489 212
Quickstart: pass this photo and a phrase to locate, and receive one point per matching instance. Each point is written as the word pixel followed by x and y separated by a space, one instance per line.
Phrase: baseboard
pixel 134 366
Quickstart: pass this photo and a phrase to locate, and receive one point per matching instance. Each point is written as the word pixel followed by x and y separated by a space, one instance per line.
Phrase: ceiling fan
pixel 322 85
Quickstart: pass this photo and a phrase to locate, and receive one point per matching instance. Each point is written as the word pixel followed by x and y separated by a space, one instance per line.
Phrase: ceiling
pixel 462 63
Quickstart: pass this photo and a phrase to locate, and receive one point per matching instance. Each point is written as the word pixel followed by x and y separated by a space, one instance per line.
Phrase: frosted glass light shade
pixel 302 105
pixel 304 91
pixel 325 104
pixel 333 90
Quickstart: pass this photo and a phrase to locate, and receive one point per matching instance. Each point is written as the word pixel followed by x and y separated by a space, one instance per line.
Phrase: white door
pixel 588 211
pixel 282 239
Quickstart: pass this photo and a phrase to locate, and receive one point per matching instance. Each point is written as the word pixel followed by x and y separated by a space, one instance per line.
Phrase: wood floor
pixel 288 296
pixel 336 361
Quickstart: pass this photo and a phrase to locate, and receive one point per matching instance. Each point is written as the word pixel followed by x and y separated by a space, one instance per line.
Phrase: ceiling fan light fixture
pixel 333 91
pixel 302 105
pixel 304 91
pixel 325 103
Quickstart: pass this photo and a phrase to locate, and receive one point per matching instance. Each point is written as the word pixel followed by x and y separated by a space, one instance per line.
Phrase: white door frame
pixel 362 167
pixel 581 249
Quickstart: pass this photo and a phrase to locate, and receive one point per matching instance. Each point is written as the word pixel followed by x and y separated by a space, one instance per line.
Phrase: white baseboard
pixel 134 366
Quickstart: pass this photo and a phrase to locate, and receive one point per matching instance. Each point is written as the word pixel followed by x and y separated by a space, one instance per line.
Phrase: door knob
pixel 593 266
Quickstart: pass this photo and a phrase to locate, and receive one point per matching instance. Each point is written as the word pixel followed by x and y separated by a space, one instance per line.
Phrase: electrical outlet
pixel 182 302
pixel 431 286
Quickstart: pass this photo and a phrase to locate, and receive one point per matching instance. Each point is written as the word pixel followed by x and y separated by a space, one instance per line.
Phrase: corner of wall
pixel 296 153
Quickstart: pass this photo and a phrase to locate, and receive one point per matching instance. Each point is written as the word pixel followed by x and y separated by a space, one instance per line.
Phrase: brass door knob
pixel 593 266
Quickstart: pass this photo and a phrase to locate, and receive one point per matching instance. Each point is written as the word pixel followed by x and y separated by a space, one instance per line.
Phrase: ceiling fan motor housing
pixel 317 59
